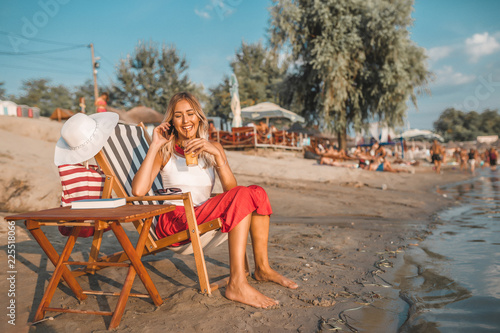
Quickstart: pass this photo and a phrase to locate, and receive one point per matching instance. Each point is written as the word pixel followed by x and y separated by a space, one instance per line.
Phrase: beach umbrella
pixel 235 101
pixel 61 114
pixel 138 114
pixel 268 110
pixel 418 134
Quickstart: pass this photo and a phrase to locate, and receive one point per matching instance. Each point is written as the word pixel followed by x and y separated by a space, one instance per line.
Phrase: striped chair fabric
pixel 125 149
pixel 78 183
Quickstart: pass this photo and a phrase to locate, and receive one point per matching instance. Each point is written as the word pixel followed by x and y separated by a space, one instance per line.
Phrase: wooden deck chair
pixel 120 159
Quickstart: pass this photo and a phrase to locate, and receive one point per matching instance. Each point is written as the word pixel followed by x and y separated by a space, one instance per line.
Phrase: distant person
pixel 102 102
pixel 472 159
pixel 456 155
pixel 463 160
pixel 82 104
pixel 485 158
pixel 437 153
pixel 379 151
pixel 332 162
pixel 493 158
pixel 378 165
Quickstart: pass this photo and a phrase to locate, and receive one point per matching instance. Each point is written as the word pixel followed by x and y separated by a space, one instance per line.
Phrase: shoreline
pixel 371 301
pixel 329 226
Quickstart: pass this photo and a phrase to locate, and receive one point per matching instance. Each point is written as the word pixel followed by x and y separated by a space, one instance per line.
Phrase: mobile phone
pixel 171 128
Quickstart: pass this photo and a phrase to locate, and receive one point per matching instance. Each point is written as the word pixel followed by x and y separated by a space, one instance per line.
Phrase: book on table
pixel 98 203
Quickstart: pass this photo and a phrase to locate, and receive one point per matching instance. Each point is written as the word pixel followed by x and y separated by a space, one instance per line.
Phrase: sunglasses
pixel 168 191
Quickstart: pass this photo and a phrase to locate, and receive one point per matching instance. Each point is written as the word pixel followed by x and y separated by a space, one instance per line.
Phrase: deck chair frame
pixel 153 246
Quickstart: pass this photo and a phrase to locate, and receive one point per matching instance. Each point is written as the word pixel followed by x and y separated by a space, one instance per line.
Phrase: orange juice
pixel 191 159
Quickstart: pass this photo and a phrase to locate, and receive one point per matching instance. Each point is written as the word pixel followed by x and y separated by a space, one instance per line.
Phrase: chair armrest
pixel 158 197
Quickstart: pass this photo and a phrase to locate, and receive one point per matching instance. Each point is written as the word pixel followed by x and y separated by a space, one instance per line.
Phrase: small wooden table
pixel 99 218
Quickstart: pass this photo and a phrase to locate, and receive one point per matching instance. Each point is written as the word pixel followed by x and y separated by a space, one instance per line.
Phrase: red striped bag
pixel 80 183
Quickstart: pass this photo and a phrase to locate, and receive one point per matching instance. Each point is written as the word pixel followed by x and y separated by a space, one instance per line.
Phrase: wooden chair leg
pixel 56 276
pixel 54 257
pixel 94 250
pixel 199 257
pixel 136 268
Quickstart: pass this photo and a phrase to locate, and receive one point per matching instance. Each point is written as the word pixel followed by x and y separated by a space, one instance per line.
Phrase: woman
pixel 102 102
pixel 242 209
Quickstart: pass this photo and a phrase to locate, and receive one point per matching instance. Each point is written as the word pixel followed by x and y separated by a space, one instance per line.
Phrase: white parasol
pixel 235 101
pixel 268 110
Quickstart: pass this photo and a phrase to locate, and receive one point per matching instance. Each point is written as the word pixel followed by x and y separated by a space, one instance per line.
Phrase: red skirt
pixel 231 207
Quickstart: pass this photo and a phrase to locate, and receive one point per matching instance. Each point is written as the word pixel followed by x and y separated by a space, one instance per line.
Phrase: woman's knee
pixel 253 193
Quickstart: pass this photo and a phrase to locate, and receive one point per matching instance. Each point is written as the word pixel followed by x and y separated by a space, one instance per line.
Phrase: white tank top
pixel 195 179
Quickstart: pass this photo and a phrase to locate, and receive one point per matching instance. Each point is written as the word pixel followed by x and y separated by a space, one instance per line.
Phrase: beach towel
pixel 80 183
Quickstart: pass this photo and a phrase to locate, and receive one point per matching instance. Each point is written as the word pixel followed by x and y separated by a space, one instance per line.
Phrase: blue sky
pixel 462 39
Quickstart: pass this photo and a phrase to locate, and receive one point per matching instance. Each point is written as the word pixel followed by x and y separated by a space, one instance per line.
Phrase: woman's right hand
pixel 160 135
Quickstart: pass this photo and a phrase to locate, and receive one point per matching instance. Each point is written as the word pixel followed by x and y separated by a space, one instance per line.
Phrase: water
pixel 452 280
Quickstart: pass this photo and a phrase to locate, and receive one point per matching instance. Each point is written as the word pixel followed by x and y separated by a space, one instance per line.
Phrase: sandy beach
pixel 336 231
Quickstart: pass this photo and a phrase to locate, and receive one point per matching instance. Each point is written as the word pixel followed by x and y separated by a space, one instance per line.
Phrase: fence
pixel 249 137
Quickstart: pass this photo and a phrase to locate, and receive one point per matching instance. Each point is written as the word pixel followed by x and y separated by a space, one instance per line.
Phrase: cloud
pixel 202 13
pixel 447 76
pixel 480 45
pixel 219 8
pixel 439 52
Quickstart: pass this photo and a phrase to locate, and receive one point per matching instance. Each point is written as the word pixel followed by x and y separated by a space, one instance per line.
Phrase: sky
pixel 461 39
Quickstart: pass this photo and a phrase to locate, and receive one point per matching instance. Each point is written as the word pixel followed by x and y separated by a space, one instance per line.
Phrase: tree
pixel 355 59
pixel 41 94
pixel 220 100
pixel 457 125
pixel 86 90
pixel 2 91
pixel 150 76
pixel 260 75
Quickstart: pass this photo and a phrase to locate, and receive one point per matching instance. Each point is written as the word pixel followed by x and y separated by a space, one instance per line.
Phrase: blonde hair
pixel 202 131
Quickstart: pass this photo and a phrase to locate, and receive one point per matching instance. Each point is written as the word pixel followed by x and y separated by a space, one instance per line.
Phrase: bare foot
pixel 273 276
pixel 244 293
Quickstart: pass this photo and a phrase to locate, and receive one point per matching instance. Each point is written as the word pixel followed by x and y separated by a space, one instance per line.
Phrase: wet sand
pixel 333 230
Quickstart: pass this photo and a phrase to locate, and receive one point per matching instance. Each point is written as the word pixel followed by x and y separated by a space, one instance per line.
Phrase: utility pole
pixel 95 65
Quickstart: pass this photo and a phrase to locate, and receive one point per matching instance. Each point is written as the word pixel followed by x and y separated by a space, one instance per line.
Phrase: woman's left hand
pixel 199 145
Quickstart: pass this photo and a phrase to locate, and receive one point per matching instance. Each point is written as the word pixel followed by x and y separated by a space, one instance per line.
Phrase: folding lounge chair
pixel 120 159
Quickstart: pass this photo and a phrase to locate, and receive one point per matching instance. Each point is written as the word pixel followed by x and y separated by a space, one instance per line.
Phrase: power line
pixel 105 59
pixel 43 52
pixel 38 39
pixel 41 69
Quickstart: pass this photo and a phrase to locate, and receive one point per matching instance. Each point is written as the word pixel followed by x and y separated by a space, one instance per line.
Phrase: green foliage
pixel 86 90
pixel 354 59
pixel 220 100
pixel 150 76
pixel 260 75
pixel 39 93
pixel 2 91
pixel 456 125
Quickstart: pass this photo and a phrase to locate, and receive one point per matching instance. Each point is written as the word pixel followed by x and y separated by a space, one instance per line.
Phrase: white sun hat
pixel 82 137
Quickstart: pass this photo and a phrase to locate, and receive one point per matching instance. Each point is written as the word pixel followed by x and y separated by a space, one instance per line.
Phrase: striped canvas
pixel 125 150
pixel 80 183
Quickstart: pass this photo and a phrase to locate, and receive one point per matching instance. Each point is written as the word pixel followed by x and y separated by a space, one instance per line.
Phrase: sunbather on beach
pixel 380 152
pixel 330 161
pixel 380 166
pixel 360 153
pixel 242 209
pixel 331 152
